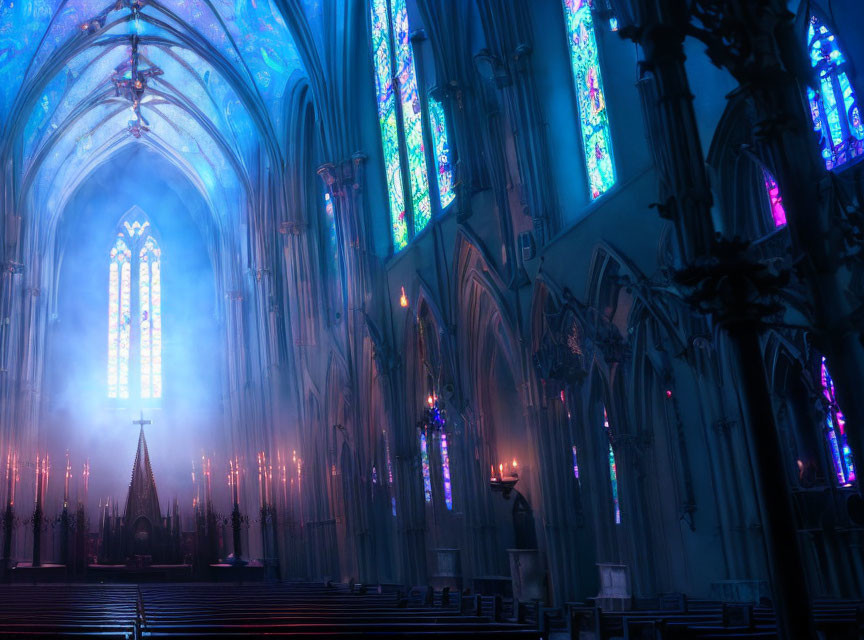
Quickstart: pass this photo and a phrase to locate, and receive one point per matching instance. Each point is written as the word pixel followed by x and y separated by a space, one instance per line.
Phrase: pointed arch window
pixel 834 107
pixel 835 430
pixel 407 121
pixel 135 341
pixel 613 470
pixel 590 96
pixel 775 200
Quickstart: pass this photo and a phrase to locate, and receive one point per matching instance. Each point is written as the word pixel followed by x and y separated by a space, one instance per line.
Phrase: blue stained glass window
pixel 332 241
pixel 613 470
pixel 593 117
pixel 402 129
pixel 833 105
pixel 438 122
pixel 424 462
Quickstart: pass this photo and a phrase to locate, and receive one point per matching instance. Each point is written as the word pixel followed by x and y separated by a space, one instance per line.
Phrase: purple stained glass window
pixel 833 105
pixel 835 431
pixel 775 200
pixel 445 472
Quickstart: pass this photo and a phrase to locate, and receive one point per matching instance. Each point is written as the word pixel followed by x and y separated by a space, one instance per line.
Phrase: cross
pixel 141 421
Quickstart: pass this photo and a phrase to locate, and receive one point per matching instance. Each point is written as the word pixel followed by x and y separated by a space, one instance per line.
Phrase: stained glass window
pixel 424 461
pixel 119 318
pixel 332 242
pixel 593 118
pixel 445 472
pixel 833 105
pixel 393 58
pixel 135 244
pixel 575 463
pixel 150 305
pixel 438 122
pixel 382 61
pixel 775 200
pixel 613 470
pixel 835 431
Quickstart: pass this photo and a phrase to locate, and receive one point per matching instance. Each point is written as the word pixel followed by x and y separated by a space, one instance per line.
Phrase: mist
pixel 77 415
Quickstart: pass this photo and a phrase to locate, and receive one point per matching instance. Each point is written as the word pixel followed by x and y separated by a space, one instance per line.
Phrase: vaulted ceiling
pixel 201 81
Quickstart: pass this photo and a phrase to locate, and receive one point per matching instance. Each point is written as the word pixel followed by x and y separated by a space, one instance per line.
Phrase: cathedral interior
pixel 431 318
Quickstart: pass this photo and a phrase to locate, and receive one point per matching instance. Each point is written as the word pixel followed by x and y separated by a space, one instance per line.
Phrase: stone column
pixel 761 48
pixel 721 279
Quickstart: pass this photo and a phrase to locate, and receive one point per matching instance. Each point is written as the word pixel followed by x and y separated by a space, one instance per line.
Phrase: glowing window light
pixel 613 470
pixel 389 461
pixel 393 57
pixel 332 241
pixel 835 431
pixel 441 143
pixel 424 460
pixel 593 117
pixel 381 60
pixel 412 118
pixel 833 105
pixel 119 319
pixel 150 302
pixel 445 472
pixel 778 211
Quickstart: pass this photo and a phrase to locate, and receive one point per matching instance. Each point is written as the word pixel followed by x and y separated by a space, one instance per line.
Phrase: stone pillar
pixel 719 278
pixel 786 145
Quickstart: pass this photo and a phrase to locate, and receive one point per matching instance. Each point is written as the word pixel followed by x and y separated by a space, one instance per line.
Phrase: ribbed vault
pixel 200 81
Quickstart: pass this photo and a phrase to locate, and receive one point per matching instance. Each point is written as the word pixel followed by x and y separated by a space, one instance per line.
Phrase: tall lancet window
pixel 119 318
pixel 135 341
pixel 590 97
pixel 833 105
pixel 613 470
pixel 405 117
pixel 835 430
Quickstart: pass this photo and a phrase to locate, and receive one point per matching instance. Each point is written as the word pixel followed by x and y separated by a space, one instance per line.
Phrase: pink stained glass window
pixel 775 200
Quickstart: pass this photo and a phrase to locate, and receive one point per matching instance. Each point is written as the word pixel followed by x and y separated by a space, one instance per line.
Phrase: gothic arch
pixel 739 177
pixel 827 512
pixel 496 423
